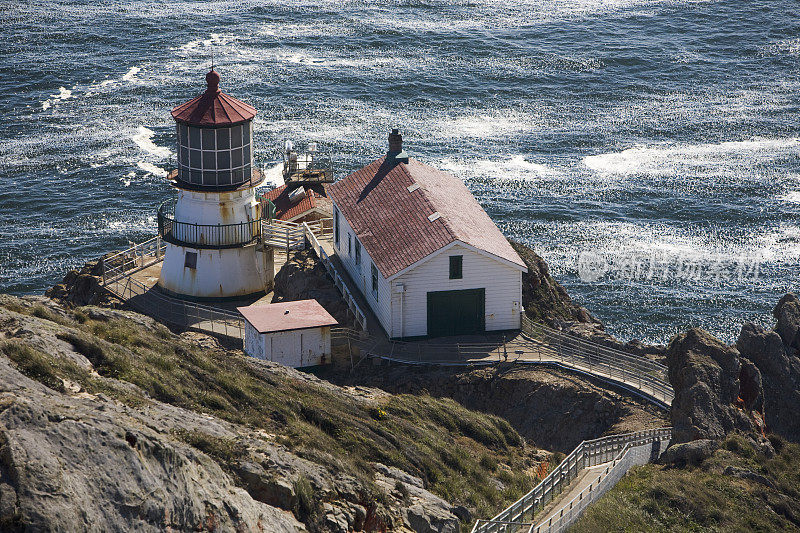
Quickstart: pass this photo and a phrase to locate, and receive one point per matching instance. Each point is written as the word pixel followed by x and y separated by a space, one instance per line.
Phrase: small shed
pixel 294 334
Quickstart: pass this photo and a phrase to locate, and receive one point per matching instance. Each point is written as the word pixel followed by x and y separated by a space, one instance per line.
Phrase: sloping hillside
pixel 109 419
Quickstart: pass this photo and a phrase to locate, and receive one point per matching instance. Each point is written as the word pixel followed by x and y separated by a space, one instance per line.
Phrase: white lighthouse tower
pixel 212 228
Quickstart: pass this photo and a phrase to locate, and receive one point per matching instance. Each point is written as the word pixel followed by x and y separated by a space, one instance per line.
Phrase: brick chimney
pixel 395 142
pixel 396 153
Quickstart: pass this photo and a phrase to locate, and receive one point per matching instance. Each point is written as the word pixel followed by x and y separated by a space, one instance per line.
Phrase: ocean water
pixel 649 150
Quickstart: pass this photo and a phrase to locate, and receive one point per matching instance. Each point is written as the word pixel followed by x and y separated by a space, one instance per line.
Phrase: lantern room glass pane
pixel 209 161
pixel 183 154
pixel 183 134
pixel 236 137
pixel 236 158
pixel 197 176
pixel 223 160
pixel 237 176
pixel 223 139
pixel 224 177
pixel 246 133
pixel 194 158
pixel 209 140
pixel 246 154
pixel 194 138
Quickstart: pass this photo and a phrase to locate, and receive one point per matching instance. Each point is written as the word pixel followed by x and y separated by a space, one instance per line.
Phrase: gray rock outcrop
pixel 775 354
pixel 709 382
pixel 303 277
pixel 68 463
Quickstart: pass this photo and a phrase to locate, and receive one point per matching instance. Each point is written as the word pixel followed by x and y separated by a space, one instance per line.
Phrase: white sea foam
pixel 517 168
pixel 273 175
pixel 132 72
pixel 63 94
pixel 150 168
pixel 792 197
pixel 669 159
pixel 143 139
pixel 127 178
pixel 214 39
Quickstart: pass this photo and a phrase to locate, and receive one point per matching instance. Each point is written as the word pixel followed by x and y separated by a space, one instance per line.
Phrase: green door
pixel 456 312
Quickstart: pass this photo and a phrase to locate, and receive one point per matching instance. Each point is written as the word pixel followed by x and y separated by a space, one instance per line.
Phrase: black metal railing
pixel 215 236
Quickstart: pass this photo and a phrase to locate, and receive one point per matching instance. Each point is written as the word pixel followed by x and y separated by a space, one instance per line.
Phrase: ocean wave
pixel 791 197
pixel 129 76
pixel 516 168
pixel 152 169
pixel 63 94
pixel 670 159
pixel 214 39
pixel 143 139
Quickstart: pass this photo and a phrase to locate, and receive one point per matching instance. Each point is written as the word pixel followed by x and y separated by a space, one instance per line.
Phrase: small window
pixel 456 263
pixel 375 282
pixel 358 252
pixel 191 260
pixel 349 244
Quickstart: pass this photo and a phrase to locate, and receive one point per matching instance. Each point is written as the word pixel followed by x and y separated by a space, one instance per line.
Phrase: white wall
pixel 219 273
pixel 362 276
pixel 503 286
pixel 296 348
pixel 253 343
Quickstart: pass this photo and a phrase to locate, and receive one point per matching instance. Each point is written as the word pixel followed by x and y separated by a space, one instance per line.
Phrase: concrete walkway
pixel 586 477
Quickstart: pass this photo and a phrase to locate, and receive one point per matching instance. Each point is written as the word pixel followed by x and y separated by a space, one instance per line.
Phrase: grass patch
pixel 657 498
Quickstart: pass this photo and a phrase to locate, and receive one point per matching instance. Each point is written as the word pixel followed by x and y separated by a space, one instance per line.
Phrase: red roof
pixel 213 107
pixel 393 224
pixel 286 316
pixel 285 210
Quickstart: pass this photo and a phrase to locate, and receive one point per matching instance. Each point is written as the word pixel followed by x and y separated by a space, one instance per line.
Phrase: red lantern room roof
pixel 213 108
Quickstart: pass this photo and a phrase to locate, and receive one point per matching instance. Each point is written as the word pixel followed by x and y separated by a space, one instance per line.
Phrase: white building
pixel 426 256
pixel 212 228
pixel 294 334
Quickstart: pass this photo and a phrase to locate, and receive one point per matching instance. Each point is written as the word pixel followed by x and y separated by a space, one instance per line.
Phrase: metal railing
pixel 116 278
pixel 135 258
pixel 216 236
pixel 519 516
pixel 631 455
pixel 181 313
pixel 632 372
pixel 282 234
pixel 338 281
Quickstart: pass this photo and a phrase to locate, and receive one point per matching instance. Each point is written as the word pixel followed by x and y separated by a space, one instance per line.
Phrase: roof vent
pixel 434 216
pixel 412 188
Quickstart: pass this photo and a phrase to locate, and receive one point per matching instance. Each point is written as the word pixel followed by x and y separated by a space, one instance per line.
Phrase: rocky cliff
pixel 776 354
pixel 716 390
pixel 109 421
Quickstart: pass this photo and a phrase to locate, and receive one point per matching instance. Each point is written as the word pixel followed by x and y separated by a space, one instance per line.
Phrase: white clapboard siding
pixel 361 274
pixel 503 284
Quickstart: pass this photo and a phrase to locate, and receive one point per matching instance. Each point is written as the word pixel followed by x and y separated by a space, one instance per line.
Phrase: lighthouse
pixel 213 227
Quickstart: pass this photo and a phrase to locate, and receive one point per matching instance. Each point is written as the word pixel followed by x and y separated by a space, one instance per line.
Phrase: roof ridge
pixel 425 195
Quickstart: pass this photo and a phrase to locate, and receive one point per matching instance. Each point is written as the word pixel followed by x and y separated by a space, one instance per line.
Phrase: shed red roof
pixel 398 226
pixel 213 107
pixel 285 210
pixel 287 316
